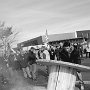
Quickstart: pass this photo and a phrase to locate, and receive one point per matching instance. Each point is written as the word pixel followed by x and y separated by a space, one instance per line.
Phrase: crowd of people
pixel 26 60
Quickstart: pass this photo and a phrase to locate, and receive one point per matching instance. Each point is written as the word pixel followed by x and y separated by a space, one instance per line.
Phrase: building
pixel 52 39
pixel 83 34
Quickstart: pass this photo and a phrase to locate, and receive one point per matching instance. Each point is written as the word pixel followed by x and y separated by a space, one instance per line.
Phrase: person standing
pixel 88 51
pixel 32 62
pixel 73 56
pixel 23 63
pixel 57 50
pixel 64 54
pixel 46 54
pixel 52 53
pixel 40 53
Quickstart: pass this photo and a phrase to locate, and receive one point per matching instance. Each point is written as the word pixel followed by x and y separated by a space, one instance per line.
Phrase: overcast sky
pixel 33 17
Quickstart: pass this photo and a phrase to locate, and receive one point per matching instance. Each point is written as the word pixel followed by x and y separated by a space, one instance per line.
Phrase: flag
pixel 46 37
pixel 75 34
pixel 87 35
pixel 82 35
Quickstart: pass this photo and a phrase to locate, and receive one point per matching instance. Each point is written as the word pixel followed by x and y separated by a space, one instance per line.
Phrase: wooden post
pixel 61 78
pixel 62 75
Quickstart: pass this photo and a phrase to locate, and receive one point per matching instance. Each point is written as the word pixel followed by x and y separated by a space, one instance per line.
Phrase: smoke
pixel 14 80
pixel 18 82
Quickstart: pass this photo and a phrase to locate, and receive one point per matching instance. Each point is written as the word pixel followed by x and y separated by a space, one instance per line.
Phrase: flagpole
pixel 46 38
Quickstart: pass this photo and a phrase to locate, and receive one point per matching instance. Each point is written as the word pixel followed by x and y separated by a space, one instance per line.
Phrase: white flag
pixel 87 35
pixel 46 36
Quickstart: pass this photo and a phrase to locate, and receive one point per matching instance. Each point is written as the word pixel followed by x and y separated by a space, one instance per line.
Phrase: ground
pixel 18 82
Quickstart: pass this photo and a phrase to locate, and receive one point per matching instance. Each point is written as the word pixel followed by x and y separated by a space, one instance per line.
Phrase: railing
pixel 62 75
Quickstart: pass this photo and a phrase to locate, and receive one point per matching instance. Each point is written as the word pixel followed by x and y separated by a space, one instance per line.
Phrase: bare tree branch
pixel 7 36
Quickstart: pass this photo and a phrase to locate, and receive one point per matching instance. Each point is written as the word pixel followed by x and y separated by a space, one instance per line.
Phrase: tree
pixel 7 37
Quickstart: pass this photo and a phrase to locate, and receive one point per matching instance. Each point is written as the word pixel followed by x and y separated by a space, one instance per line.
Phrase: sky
pixel 31 18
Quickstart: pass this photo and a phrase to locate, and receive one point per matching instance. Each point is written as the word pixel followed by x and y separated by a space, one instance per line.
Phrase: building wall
pixel 83 33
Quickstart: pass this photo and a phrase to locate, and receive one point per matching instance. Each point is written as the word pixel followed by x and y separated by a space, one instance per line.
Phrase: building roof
pixel 53 37
pixel 34 41
pixel 59 37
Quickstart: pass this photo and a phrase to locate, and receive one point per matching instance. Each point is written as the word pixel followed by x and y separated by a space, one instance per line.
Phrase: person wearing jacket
pixel 32 62
pixel 73 56
pixel 52 53
pixel 69 54
pixel 64 54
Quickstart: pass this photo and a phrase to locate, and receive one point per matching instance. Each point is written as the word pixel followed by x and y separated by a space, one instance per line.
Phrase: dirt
pixel 18 82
